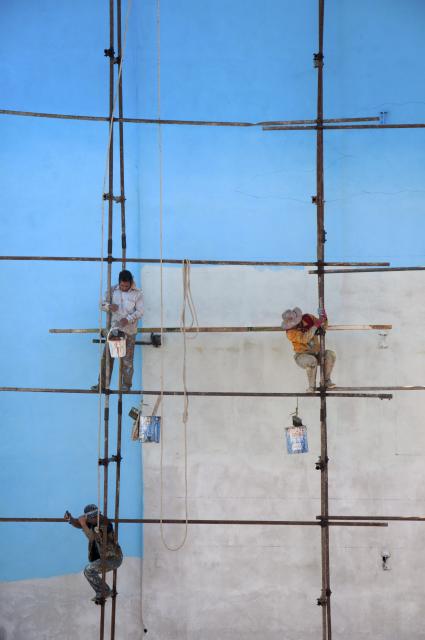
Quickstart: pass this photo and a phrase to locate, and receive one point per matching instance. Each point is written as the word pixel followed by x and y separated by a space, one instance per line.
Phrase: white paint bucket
pixel 117 345
pixel 296 439
pixel 149 428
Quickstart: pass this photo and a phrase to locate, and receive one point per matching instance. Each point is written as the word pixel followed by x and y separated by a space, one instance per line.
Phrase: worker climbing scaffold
pixel 125 302
pixel 93 525
pixel 303 330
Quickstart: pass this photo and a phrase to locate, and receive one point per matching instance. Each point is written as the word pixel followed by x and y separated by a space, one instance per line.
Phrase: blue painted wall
pixel 229 193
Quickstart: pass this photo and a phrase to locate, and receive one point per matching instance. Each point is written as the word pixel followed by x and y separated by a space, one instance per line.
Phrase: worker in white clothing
pixel 125 301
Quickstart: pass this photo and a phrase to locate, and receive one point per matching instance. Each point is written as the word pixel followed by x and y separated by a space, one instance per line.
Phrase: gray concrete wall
pixel 237 582
pixel 61 607
pixel 231 582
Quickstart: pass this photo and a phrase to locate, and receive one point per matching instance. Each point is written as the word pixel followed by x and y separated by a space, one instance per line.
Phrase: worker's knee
pixel 306 361
pixel 330 356
pixel 91 569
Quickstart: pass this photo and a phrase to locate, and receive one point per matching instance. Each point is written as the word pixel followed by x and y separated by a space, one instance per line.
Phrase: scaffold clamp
pixel 321 464
pixel 110 196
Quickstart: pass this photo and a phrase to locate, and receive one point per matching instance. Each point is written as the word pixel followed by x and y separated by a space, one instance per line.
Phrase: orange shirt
pixel 305 341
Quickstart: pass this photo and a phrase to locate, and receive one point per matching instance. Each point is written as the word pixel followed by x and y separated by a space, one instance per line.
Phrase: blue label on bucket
pixel 296 439
pixel 149 428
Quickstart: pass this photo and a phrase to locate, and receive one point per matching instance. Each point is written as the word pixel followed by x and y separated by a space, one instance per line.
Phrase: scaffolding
pixel 321 269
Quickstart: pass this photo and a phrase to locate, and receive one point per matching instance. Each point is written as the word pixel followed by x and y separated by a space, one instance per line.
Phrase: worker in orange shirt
pixel 301 329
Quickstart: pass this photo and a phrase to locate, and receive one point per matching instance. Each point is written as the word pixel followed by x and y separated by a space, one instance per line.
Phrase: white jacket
pixel 130 306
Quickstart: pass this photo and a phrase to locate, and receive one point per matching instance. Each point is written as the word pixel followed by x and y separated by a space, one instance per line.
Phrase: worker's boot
pixel 311 375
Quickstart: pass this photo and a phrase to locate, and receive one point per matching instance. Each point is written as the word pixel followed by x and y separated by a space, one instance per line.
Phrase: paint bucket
pixel 149 428
pixel 296 439
pixel 117 343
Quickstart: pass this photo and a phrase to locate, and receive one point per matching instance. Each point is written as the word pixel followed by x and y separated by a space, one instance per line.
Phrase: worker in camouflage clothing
pixel 93 524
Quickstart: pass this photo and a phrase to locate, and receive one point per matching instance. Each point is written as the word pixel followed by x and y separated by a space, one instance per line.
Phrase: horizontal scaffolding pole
pixel 214 394
pixel 383 388
pixel 308 523
pixel 384 269
pixel 259 263
pixel 347 126
pixel 332 327
pixel 203 123
pixel 389 518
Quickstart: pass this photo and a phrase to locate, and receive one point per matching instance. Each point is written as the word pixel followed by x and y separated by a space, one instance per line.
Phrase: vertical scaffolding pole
pixel 121 137
pixel 324 600
pixel 117 501
pixel 124 253
pixel 108 323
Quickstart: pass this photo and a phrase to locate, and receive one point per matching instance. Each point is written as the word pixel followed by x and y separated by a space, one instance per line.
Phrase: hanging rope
pixel 102 240
pixel 187 303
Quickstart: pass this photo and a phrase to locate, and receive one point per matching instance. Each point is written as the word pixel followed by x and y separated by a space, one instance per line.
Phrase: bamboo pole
pixel 280 523
pixel 232 263
pixel 336 327
pixel 207 123
pixel 211 394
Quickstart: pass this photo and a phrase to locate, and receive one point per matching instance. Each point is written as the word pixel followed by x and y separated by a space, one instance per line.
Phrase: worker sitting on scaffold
pixel 125 301
pixel 92 523
pixel 301 329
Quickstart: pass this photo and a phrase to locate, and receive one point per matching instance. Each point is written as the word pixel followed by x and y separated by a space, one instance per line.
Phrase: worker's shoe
pixel 329 384
pixel 125 387
pixel 311 390
pixel 94 387
pixel 98 599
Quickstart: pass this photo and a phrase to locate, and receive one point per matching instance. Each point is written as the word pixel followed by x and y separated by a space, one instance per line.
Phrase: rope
pixel 105 178
pixel 187 301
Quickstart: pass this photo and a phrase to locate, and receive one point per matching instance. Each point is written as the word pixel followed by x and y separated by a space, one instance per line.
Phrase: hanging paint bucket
pixel 117 344
pixel 296 439
pixel 149 428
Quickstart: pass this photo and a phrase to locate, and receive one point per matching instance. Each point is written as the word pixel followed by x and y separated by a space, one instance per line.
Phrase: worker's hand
pixel 123 322
pixel 322 318
pixel 113 307
pixel 67 516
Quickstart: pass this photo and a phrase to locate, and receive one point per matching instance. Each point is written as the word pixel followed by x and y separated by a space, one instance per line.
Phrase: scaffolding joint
pixel 117 199
pixel 110 53
pixel 103 462
pixel 156 340
pixel 324 522
pixel 322 601
pixel 321 464
pixel 318 60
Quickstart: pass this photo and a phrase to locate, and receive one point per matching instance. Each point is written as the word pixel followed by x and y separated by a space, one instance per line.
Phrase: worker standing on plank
pixel 113 554
pixel 302 330
pixel 125 301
